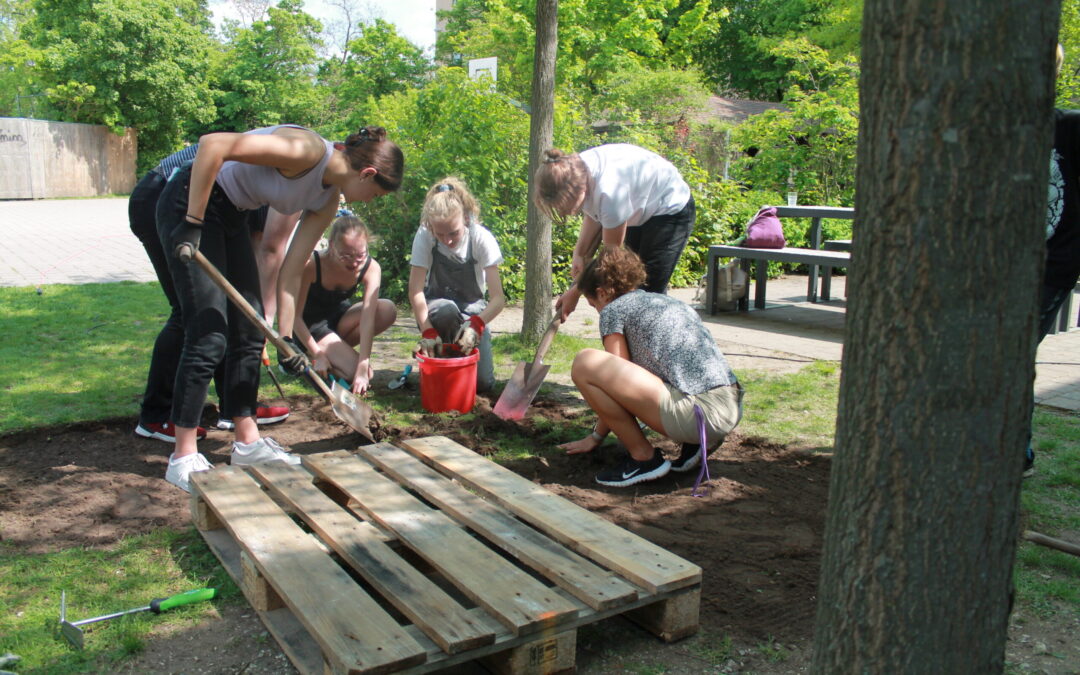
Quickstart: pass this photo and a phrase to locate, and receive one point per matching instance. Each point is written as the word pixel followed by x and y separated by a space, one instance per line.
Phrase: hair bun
pixel 369 133
pixel 553 155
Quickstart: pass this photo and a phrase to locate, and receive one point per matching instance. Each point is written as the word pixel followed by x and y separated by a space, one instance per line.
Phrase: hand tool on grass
pixel 72 629
pixel 266 362
pixel 399 381
pixel 349 409
pixel 526 380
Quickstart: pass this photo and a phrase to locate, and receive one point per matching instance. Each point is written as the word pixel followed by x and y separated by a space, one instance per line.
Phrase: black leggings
pixel 659 242
pixel 157 399
pixel 213 327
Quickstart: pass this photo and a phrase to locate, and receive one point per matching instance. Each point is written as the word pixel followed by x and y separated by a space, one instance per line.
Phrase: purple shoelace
pixel 703 474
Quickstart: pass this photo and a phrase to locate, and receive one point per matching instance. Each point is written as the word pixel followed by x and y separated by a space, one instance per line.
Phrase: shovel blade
pixel 351 410
pixel 520 390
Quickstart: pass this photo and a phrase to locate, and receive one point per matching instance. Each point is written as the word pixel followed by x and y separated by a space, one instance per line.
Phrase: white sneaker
pixel 265 449
pixel 180 470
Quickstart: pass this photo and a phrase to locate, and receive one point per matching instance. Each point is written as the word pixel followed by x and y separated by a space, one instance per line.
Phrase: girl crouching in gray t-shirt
pixel 658 362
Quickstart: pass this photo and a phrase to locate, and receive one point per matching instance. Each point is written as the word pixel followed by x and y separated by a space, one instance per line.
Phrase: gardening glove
pixel 429 342
pixel 296 364
pixel 185 239
pixel 468 335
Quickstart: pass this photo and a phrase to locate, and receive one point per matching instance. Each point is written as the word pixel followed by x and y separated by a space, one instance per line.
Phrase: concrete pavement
pixel 78 241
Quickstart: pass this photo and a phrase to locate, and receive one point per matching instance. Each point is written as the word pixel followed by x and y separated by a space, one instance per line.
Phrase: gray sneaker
pixel 265 449
pixel 179 472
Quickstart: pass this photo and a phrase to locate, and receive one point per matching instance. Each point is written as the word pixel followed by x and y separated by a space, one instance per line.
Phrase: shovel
pixel 350 410
pixel 526 380
pixel 72 629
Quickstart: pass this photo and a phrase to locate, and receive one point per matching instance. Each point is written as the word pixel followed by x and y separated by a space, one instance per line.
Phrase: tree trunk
pixel 954 142
pixel 541 135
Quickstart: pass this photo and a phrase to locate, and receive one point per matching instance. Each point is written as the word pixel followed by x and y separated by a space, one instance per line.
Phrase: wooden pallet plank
pixel 517 600
pixel 446 622
pixel 588 582
pixel 354 634
pixel 636 558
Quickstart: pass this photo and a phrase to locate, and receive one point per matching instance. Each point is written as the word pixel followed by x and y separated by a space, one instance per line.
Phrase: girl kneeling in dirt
pixel 329 325
pixel 454 258
pixel 204 207
pixel 659 361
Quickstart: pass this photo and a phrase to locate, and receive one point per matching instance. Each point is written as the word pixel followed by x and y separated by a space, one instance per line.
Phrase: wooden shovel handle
pixel 1051 542
pixel 245 307
pixel 547 338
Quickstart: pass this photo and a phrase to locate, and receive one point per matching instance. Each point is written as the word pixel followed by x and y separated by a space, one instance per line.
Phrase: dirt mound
pixel 756 531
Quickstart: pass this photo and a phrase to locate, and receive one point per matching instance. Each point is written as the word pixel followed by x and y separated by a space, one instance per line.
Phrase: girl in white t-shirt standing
pixel 625 194
pixel 454 260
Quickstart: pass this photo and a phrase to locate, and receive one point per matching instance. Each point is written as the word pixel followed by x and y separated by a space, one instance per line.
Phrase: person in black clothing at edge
pixel 1062 228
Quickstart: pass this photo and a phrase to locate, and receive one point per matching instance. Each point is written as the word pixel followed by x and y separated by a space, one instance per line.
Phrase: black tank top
pixel 321 302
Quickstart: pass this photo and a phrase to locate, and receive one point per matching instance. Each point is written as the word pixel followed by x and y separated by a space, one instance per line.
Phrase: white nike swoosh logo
pixel 631 474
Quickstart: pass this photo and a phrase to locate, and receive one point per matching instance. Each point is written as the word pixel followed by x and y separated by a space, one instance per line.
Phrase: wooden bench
pixel 805 256
pixel 813 257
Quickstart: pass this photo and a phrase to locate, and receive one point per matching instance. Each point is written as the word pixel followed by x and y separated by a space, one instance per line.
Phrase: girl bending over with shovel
pixel 454 258
pixel 203 208
pixel 659 362
pixel 331 324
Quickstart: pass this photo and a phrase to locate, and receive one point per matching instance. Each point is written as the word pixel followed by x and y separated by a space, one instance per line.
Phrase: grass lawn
pixel 79 353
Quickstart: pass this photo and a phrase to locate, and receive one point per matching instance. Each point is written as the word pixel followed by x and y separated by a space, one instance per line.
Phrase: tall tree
pixel 541 135
pixel 939 355
pixel 598 38
pixel 269 76
pixel 738 56
pixel 126 63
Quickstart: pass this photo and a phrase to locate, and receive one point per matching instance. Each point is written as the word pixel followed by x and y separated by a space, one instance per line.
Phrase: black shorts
pixel 256 219
pixel 323 327
pixel 659 242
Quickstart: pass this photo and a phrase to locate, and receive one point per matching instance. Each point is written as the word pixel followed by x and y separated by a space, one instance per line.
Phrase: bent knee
pixel 587 361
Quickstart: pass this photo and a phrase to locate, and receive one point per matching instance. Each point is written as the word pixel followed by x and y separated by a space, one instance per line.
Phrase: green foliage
pixel 596 39
pixel 1068 81
pixel 124 63
pixel 654 96
pixel 379 62
pixel 739 56
pixel 269 72
pixel 810 148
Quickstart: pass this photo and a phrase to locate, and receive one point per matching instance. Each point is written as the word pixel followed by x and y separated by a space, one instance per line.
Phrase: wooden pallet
pixel 422 557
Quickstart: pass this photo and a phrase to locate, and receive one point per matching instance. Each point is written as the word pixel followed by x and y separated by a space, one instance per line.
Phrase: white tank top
pixel 250 186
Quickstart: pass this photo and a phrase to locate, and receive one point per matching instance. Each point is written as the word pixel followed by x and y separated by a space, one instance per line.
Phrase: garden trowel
pixel 72 630
pixel 526 380
pixel 348 408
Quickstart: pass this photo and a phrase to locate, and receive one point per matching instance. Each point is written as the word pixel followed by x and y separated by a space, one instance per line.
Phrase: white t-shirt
pixel 628 184
pixel 485 250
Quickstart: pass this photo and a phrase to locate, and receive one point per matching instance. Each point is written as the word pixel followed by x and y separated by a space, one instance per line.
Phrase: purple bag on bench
pixel 764 231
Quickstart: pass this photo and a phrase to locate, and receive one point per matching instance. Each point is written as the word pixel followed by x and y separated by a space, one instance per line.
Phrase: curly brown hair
pixel 617 270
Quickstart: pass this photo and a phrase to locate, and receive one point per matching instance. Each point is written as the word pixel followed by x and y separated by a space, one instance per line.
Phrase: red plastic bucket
pixel 448 383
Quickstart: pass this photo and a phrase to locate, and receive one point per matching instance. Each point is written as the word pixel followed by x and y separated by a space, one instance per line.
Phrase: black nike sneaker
pixel 630 471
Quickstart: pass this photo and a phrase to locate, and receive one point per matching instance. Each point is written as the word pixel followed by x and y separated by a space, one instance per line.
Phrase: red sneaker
pixel 164 432
pixel 263 415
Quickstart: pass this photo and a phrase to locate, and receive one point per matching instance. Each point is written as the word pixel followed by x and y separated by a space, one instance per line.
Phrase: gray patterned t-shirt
pixel 666 337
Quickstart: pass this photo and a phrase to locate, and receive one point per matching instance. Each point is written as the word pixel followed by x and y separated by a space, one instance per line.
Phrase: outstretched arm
pixel 307 235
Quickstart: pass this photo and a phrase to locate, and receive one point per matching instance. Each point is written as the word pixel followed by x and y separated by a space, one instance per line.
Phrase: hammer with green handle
pixel 74 634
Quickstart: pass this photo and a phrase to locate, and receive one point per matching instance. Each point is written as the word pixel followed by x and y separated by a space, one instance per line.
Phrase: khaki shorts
pixel 722 407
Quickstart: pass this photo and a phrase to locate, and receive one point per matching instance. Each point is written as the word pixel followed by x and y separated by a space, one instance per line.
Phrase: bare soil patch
pixel 756 532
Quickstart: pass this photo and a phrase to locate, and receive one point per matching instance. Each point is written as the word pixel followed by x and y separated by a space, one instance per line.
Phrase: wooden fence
pixel 44 160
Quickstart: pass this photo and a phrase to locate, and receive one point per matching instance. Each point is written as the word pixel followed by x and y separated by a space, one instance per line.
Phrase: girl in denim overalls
pixel 453 258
